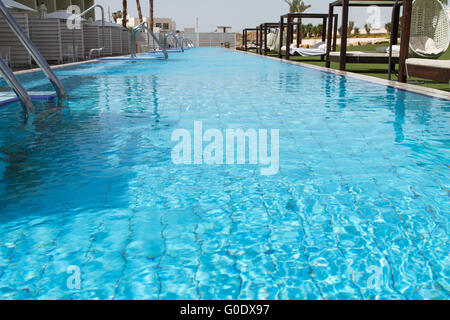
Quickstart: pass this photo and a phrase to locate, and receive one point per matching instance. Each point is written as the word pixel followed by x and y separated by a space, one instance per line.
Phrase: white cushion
pixel 425 45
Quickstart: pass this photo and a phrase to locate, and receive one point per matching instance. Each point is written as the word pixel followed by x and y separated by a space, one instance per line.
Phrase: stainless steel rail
pixel 99 50
pixel 176 40
pixel 33 51
pixel 144 26
pixel 188 42
pixel 19 90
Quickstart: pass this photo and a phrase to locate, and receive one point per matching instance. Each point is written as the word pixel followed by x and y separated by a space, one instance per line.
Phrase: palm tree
pixel 124 13
pixel 151 15
pixel 368 27
pixel 116 15
pixel 351 25
pixel 297 6
pixel 138 5
pixel 307 30
pixel 387 26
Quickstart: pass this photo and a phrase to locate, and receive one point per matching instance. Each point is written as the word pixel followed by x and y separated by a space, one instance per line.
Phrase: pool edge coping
pixel 429 92
pixel 59 66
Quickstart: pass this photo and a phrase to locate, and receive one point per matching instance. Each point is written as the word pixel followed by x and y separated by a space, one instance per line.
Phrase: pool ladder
pixel 177 41
pixel 9 76
pixel 144 26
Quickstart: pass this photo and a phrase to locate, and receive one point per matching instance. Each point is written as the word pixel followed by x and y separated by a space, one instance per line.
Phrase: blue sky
pixel 236 13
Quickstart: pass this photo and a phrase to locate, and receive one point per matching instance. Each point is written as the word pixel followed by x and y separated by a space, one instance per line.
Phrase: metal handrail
pixel 144 26
pixel 188 42
pixel 176 40
pixel 19 90
pixel 33 51
pixel 99 50
pixel 184 41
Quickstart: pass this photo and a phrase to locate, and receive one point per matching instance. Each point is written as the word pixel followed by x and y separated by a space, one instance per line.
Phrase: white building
pixel 223 29
pixel 164 25
pixel 159 24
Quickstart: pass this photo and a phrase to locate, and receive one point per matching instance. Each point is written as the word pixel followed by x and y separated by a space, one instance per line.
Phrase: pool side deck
pixel 430 92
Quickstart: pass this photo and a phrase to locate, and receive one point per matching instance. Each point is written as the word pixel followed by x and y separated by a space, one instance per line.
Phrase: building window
pixel 158 25
pixel 166 26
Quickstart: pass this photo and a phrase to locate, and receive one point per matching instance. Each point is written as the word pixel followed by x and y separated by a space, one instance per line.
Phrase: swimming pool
pixel 357 210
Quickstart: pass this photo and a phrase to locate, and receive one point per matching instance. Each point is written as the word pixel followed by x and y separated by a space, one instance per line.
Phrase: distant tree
pixel 317 30
pixel 307 30
pixel 116 15
pixel 124 13
pixel 357 31
pixel 297 6
pixel 151 15
pixel 139 9
pixel 368 27
pixel 351 25
pixel 387 26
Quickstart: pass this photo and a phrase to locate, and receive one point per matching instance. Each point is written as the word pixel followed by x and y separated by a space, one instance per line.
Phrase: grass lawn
pixel 374 70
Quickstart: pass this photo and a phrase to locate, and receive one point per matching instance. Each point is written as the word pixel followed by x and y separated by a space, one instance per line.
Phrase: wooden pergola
pixel 293 19
pixel 245 37
pixel 263 32
pixel 405 33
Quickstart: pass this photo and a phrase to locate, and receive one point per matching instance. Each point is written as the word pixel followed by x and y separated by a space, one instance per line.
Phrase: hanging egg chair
pixel 430 29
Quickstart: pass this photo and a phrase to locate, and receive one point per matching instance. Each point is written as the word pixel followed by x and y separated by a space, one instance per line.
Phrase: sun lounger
pixel 437 70
pixel 319 49
pixel 366 57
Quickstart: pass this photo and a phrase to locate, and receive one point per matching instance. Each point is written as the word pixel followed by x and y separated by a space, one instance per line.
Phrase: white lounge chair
pixel 319 49
pixel 366 57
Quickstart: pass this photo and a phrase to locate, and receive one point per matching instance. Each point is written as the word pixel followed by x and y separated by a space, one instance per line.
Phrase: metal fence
pixel 212 39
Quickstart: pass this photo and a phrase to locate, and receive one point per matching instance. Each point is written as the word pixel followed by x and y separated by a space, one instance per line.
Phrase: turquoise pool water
pixel 358 210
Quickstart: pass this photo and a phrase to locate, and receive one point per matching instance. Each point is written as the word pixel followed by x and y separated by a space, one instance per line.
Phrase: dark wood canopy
pixel 245 37
pixel 262 36
pixel 365 3
pixel 291 17
pixel 405 34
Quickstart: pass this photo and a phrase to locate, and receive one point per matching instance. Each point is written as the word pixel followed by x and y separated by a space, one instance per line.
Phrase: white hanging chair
pixel 430 29
pixel 276 43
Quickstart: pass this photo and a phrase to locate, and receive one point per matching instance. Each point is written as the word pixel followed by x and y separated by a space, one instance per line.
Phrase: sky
pixel 238 14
